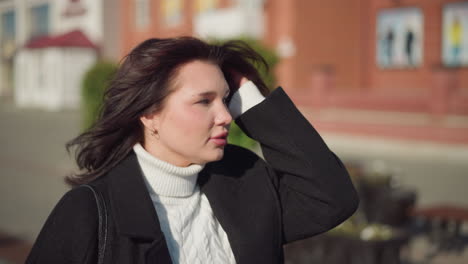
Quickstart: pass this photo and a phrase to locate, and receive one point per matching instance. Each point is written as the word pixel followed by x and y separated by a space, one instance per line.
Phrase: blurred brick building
pixel 45 44
pixel 335 55
pixel 337 40
pixel 331 58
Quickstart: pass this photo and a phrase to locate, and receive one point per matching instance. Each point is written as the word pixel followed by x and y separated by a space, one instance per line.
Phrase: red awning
pixel 74 38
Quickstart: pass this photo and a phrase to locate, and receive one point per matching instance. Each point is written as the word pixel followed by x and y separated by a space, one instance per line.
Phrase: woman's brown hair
pixel 140 87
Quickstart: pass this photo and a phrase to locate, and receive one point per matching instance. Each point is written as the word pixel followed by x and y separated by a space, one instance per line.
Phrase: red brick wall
pixel 324 33
pixel 342 33
pixel 281 22
pixel 329 34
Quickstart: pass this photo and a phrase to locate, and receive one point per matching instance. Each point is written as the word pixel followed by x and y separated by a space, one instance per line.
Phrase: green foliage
pixel 236 136
pixel 94 84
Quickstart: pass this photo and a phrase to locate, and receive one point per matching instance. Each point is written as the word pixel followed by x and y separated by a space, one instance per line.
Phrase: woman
pixel 175 192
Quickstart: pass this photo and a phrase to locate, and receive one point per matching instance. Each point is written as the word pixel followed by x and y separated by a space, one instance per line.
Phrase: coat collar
pixel 223 185
pixel 131 204
pixel 133 208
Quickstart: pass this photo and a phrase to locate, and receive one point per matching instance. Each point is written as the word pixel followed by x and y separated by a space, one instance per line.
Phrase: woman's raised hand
pixel 236 80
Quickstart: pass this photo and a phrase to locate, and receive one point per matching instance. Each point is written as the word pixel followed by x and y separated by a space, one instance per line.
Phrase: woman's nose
pixel 224 117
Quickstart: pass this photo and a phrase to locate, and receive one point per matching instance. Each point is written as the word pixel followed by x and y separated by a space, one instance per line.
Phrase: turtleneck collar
pixel 166 179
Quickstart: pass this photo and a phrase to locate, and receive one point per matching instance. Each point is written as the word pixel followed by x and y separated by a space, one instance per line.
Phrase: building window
pixel 39 20
pixel 7 35
pixel 203 6
pixel 142 13
pixel 7 50
pixel 8 25
pixel 172 12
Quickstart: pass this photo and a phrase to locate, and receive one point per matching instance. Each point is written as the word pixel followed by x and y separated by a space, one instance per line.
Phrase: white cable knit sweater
pixel 192 232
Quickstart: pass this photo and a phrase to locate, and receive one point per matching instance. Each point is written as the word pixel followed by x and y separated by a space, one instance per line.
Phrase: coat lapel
pixel 135 215
pixel 221 183
pixel 244 206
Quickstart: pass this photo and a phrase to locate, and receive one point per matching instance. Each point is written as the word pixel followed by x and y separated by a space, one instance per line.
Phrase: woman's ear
pixel 150 121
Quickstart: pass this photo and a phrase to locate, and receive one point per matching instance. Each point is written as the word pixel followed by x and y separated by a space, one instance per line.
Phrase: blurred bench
pixel 443 224
pixel 338 249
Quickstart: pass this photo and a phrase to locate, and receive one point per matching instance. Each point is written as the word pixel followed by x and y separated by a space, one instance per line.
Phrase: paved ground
pixel 439 173
pixel 33 162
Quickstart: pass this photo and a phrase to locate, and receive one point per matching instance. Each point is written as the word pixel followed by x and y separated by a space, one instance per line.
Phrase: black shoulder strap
pixel 102 228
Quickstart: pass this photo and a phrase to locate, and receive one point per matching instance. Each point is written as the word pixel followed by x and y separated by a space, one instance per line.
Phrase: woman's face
pixel 192 127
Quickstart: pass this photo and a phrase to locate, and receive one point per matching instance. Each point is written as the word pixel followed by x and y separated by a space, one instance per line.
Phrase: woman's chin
pixel 209 155
pixel 217 154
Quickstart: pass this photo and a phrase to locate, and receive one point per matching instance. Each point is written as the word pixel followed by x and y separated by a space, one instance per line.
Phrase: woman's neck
pixel 162 153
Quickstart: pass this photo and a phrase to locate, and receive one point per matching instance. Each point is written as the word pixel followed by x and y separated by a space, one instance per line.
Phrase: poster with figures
pixel 455 34
pixel 400 38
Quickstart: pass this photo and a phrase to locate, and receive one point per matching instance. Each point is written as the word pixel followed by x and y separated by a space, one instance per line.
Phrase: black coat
pixel 302 190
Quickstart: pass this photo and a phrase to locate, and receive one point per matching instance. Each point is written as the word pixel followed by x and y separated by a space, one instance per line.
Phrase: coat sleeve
pixel 314 188
pixel 70 232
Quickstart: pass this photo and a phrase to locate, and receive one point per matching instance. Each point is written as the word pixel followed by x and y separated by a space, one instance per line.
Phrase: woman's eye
pixel 225 101
pixel 204 101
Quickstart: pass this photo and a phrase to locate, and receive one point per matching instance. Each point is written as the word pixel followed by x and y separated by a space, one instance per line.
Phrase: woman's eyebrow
pixel 209 93
pixel 212 93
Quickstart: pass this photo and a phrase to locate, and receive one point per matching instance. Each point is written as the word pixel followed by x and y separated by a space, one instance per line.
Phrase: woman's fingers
pixel 237 79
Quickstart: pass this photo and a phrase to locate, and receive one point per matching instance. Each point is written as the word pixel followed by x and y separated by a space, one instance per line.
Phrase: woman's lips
pixel 219 141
